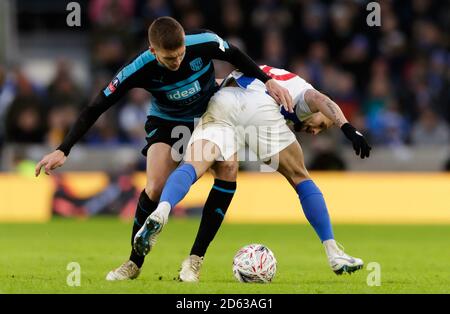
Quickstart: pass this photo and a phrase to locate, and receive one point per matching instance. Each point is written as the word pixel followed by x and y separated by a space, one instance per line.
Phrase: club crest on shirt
pixel 196 64
pixel 113 85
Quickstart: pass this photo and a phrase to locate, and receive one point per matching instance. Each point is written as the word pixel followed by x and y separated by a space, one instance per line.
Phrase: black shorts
pixel 174 133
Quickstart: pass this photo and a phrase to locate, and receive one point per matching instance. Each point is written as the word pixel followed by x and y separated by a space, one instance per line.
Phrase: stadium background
pixel 392 82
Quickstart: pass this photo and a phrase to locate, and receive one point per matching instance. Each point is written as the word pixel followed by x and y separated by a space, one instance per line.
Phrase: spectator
pixel 270 14
pixel 63 87
pixel 345 95
pixel 388 126
pixel 317 58
pixel 192 19
pixel 430 129
pixel 25 122
pixel 133 115
pixel 232 19
pixel 111 13
pixel 59 120
pixel 7 95
pixel 149 10
pixel 104 132
pixel 112 40
pixel 273 51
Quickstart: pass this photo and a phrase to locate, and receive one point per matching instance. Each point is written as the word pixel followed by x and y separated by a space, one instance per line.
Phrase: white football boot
pixel 145 238
pixel 126 271
pixel 190 269
pixel 339 261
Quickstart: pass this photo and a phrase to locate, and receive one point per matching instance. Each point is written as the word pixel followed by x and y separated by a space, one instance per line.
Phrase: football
pixel 254 263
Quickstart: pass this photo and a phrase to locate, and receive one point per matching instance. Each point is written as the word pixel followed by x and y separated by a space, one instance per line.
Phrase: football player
pixel 242 113
pixel 177 70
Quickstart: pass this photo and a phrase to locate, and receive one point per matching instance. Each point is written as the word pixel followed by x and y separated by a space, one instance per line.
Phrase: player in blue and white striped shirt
pixel 243 113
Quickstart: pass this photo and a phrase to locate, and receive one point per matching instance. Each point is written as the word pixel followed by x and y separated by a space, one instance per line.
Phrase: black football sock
pixel 213 214
pixel 145 207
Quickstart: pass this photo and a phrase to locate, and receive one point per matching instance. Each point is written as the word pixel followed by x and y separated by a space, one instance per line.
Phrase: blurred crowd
pixel 392 81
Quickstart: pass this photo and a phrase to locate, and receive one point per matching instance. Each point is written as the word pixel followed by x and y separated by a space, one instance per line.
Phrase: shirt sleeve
pixel 222 50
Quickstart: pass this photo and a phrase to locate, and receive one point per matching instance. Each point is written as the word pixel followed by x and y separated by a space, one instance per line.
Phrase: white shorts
pixel 237 116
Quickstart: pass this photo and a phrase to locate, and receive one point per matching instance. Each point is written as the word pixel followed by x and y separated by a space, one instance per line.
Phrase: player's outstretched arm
pixel 319 102
pixel 85 120
pixel 88 115
pixel 50 162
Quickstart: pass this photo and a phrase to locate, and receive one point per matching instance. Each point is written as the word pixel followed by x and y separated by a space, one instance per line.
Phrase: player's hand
pixel 280 94
pixel 50 162
pixel 360 144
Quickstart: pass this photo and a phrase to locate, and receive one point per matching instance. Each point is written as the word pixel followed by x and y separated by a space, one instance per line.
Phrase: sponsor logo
pixel 196 64
pixel 184 92
pixel 113 85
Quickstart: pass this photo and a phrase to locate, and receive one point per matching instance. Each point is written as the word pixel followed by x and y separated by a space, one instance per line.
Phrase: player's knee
pixel 297 174
pixel 226 171
pixel 154 189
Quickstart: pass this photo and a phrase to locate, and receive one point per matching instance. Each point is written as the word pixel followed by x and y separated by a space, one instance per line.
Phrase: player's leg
pixel 292 166
pixel 273 139
pixel 215 137
pixel 199 157
pixel 207 144
pixel 220 120
pixel 216 206
pixel 159 165
pixel 161 160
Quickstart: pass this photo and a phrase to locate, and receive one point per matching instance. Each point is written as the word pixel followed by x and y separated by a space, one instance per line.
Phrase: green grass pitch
pixel 34 258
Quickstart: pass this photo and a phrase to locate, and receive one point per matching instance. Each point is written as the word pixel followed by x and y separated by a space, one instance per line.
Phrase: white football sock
pixel 163 209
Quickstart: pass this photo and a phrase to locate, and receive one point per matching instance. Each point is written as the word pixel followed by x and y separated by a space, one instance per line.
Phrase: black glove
pixel 359 142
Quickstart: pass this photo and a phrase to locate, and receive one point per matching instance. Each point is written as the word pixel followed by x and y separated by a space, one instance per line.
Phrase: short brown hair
pixel 165 32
